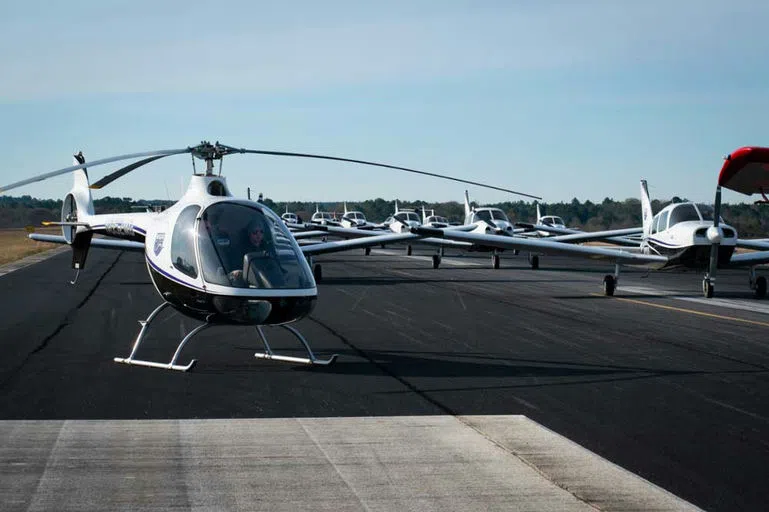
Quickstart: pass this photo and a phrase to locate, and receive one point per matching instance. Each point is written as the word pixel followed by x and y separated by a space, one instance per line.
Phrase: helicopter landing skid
pixel 311 360
pixel 171 365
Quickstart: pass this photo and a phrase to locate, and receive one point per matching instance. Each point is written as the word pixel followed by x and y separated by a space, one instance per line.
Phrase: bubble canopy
pixel 243 246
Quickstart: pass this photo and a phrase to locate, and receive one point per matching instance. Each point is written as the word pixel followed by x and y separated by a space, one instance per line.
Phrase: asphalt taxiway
pixel 668 385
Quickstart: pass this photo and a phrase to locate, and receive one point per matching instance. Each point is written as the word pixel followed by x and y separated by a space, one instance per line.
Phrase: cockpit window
pixel 499 215
pixel 484 215
pixel 707 212
pixel 245 247
pixel 683 212
pixel 183 242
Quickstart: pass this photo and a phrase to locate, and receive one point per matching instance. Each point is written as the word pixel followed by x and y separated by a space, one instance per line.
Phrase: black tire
pixel 408 251
pixel 534 260
pixel 436 261
pixel 760 291
pixel 608 285
pixel 707 289
pixel 495 261
pixel 317 272
pixel 368 251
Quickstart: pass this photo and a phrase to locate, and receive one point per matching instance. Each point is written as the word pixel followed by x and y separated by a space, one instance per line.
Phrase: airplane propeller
pixel 210 152
pixel 715 235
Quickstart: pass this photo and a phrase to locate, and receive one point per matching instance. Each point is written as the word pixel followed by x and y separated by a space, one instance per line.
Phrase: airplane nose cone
pixel 715 235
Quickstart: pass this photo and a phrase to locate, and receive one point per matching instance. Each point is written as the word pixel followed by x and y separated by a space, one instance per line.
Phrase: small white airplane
pixel 402 220
pixel 681 235
pixel 354 219
pixel 290 217
pixel 323 218
pixel 432 220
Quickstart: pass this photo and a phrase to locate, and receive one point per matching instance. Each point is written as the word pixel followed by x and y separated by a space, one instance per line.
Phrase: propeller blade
pixel 713 264
pixel 41 177
pixel 123 171
pixel 376 164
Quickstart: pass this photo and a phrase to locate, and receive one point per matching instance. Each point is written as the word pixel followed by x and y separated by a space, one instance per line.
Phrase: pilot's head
pixel 255 232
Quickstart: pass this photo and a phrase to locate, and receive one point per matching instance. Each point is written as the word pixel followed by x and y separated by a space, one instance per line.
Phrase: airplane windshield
pixel 498 215
pixel 244 247
pixel 681 213
pixel 483 215
pixel 707 212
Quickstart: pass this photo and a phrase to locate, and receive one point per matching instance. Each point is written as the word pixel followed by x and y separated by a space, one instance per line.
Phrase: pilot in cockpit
pixel 260 258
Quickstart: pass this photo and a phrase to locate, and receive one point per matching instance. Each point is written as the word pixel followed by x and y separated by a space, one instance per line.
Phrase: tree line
pixel 750 220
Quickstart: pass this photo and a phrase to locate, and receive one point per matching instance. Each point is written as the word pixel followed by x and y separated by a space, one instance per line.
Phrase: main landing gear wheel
pixel 760 290
pixel 609 283
pixel 534 261
pixel 495 261
pixel 436 260
pixel 408 251
pixel 707 288
pixel 368 251
pixel 317 272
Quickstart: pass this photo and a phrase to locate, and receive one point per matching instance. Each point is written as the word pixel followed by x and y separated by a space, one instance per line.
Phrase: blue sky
pixel 560 99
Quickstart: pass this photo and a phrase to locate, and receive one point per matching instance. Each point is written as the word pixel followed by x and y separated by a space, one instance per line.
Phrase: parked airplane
pixel 432 220
pixel 681 235
pixel 354 219
pixel 323 218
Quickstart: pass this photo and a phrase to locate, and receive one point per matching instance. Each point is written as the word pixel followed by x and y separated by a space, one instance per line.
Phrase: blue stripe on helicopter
pixel 172 278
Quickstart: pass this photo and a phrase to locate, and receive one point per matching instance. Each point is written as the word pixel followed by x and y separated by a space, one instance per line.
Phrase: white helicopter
pixel 211 256
pixel 681 235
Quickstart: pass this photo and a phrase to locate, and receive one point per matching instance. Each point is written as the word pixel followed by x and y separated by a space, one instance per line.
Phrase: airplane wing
pixel 548 246
pixel 104 243
pixel 746 170
pixel 357 243
pixel 758 245
pixel 749 259
pixel 308 234
pixel 615 236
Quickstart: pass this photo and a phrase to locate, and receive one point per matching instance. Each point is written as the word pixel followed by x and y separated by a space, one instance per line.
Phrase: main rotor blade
pixel 376 164
pixel 123 171
pixel 41 177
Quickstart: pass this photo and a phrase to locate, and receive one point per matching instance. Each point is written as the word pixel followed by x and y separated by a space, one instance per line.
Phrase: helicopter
pixel 211 256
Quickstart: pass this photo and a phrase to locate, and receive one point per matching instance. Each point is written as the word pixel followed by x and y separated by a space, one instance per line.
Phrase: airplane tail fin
pixel 646 209
pixel 424 214
pixel 539 213
pixel 468 209
pixel 396 206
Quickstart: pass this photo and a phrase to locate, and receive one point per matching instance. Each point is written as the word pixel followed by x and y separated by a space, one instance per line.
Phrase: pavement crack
pixel 64 323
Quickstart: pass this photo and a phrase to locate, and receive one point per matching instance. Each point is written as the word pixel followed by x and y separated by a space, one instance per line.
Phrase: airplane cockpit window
pixel 663 220
pixel 183 242
pixel 682 213
pixel 707 212
pixel 499 215
pixel 244 247
pixel 655 223
pixel 547 221
pixel 484 215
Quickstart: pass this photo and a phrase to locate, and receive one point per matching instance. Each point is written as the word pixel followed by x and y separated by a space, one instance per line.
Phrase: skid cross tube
pixel 311 360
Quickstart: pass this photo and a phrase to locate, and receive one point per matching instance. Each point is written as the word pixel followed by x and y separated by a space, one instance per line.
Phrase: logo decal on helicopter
pixel 119 229
pixel 159 243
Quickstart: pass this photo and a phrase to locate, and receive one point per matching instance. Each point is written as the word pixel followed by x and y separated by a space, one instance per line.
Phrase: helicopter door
pixel 183 242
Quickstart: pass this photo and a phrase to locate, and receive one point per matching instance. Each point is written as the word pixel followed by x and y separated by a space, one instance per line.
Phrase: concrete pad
pixel 440 463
